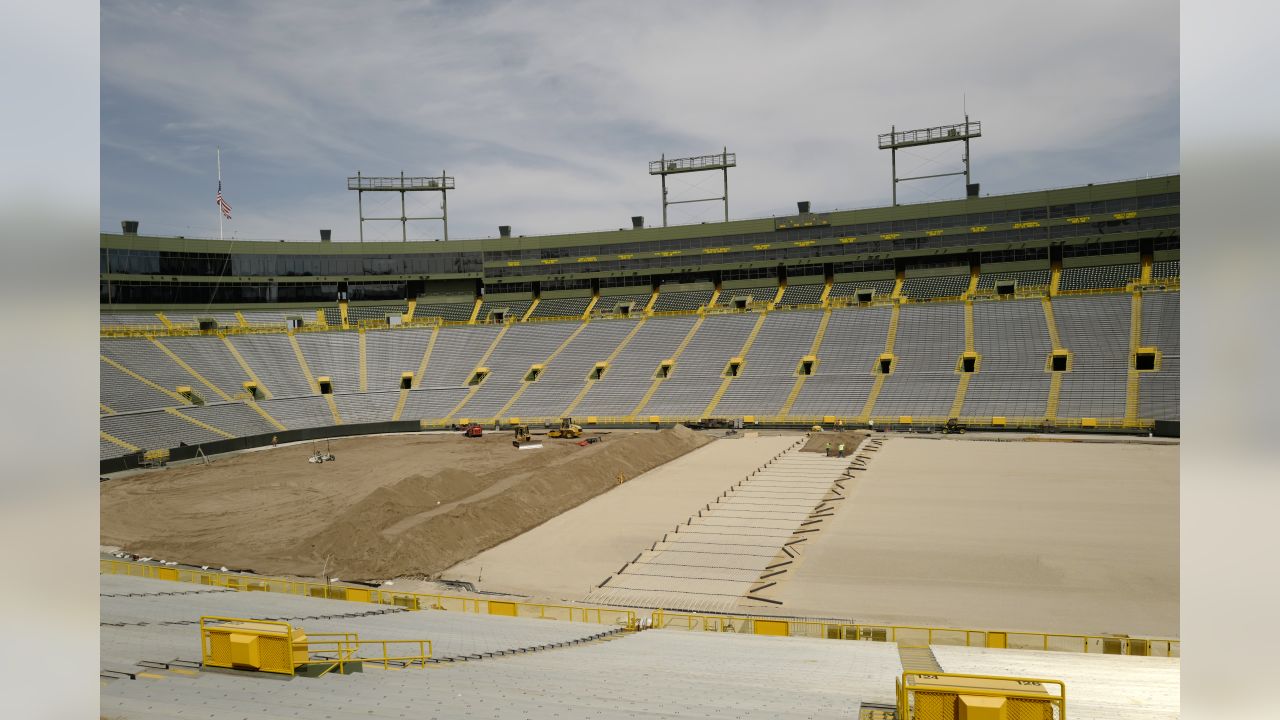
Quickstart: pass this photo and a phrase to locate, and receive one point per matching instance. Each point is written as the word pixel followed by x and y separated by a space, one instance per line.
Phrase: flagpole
pixel 220 190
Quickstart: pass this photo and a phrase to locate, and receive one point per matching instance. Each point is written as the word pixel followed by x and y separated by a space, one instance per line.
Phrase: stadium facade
pixel 1054 308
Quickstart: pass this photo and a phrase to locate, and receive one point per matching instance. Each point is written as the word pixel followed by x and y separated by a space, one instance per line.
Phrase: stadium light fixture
pixel 700 163
pixel 895 140
pixel 403 184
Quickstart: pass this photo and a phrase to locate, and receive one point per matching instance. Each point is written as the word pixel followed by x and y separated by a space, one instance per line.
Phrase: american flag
pixel 222 204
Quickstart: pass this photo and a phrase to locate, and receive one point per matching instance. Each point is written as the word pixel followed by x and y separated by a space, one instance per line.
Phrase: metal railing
pixel 294 648
pixel 407 600
pixel 187 329
pixel 345 648
pixel 904 635
pixel 923 636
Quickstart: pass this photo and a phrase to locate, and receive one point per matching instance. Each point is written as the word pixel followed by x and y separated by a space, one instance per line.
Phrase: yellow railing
pixel 826 421
pixel 183 330
pixel 291 647
pixel 906 635
pixel 921 636
pixel 345 646
pixel 408 600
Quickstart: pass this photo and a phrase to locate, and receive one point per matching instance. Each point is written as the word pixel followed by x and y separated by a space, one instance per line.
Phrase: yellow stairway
pixel 1135 341
pixel 265 416
pixel 302 363
pixel 198 423
pixel 1055 382
pixel 826 292
pixel 154 386
pixel 118 441
pixel 963 386
pixel 190 370
pixel 253 377
pixel 364 364
pixel 426 357
pixel 890 338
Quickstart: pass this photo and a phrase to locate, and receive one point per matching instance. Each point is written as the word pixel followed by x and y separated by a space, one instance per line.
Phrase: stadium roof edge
pixel 1075 193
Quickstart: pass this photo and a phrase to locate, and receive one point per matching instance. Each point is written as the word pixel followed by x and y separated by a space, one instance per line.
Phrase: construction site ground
pixel 388 506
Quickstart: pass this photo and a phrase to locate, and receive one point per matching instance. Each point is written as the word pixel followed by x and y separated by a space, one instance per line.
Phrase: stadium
pixel 905 461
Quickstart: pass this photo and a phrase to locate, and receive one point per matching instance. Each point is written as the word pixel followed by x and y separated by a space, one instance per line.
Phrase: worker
pixel 274 440
pixel 828 449
pixel 840 450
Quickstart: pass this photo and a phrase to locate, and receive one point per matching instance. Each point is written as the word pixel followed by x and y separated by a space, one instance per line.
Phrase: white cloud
pixel 547 113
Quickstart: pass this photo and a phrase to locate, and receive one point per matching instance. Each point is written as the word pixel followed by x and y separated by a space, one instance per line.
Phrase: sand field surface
pixel 1048 536
pixel 388 506
pixel 567 556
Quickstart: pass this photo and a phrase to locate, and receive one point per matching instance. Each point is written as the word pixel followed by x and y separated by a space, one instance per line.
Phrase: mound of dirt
pixel 377 512
pixel 851 438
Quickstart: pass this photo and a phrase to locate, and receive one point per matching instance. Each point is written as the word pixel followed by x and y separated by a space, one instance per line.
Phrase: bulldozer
pixel 567 429
pixel 523 439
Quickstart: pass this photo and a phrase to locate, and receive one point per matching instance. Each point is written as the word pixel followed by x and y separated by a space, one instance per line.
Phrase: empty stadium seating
pixel 1023 278
pixel 631 373
pixel 928 288
pixel 923 382
pixel 140 376
pixel 391 353
pixel 551 394
pixel 802 294
pixel 698 371
pixel 1158 391
pixel 1099 277
pixel 769 368
pixel 1165 269
pixel 1096 330
pixel 451 312
pixel 607 303
pixel 759 296
pixel 681 300
pixel 844 375
pixel 1012 340
pixel 561 307
pixel 510 309
pixel 851 288
pixel 377 313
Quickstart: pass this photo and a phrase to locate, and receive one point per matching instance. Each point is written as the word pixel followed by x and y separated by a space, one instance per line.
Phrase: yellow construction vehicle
pixel 567 429
pixel 523 439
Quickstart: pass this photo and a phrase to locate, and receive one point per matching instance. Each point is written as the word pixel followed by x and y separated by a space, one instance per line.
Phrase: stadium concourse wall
pixel 135 460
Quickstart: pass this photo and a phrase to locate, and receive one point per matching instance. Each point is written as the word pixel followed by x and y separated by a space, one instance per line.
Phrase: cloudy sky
pixel 547 113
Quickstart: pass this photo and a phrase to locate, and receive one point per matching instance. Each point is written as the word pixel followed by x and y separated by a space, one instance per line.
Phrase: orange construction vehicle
pixel 474 430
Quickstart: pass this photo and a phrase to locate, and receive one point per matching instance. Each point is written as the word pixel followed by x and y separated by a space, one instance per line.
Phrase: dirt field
pixel 389 506
pixel 1068 537
pixel 851 438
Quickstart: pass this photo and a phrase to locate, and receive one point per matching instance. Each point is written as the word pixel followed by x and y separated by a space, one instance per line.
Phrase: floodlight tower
pixel 665 167
pixel 402 185
pixel 894 140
